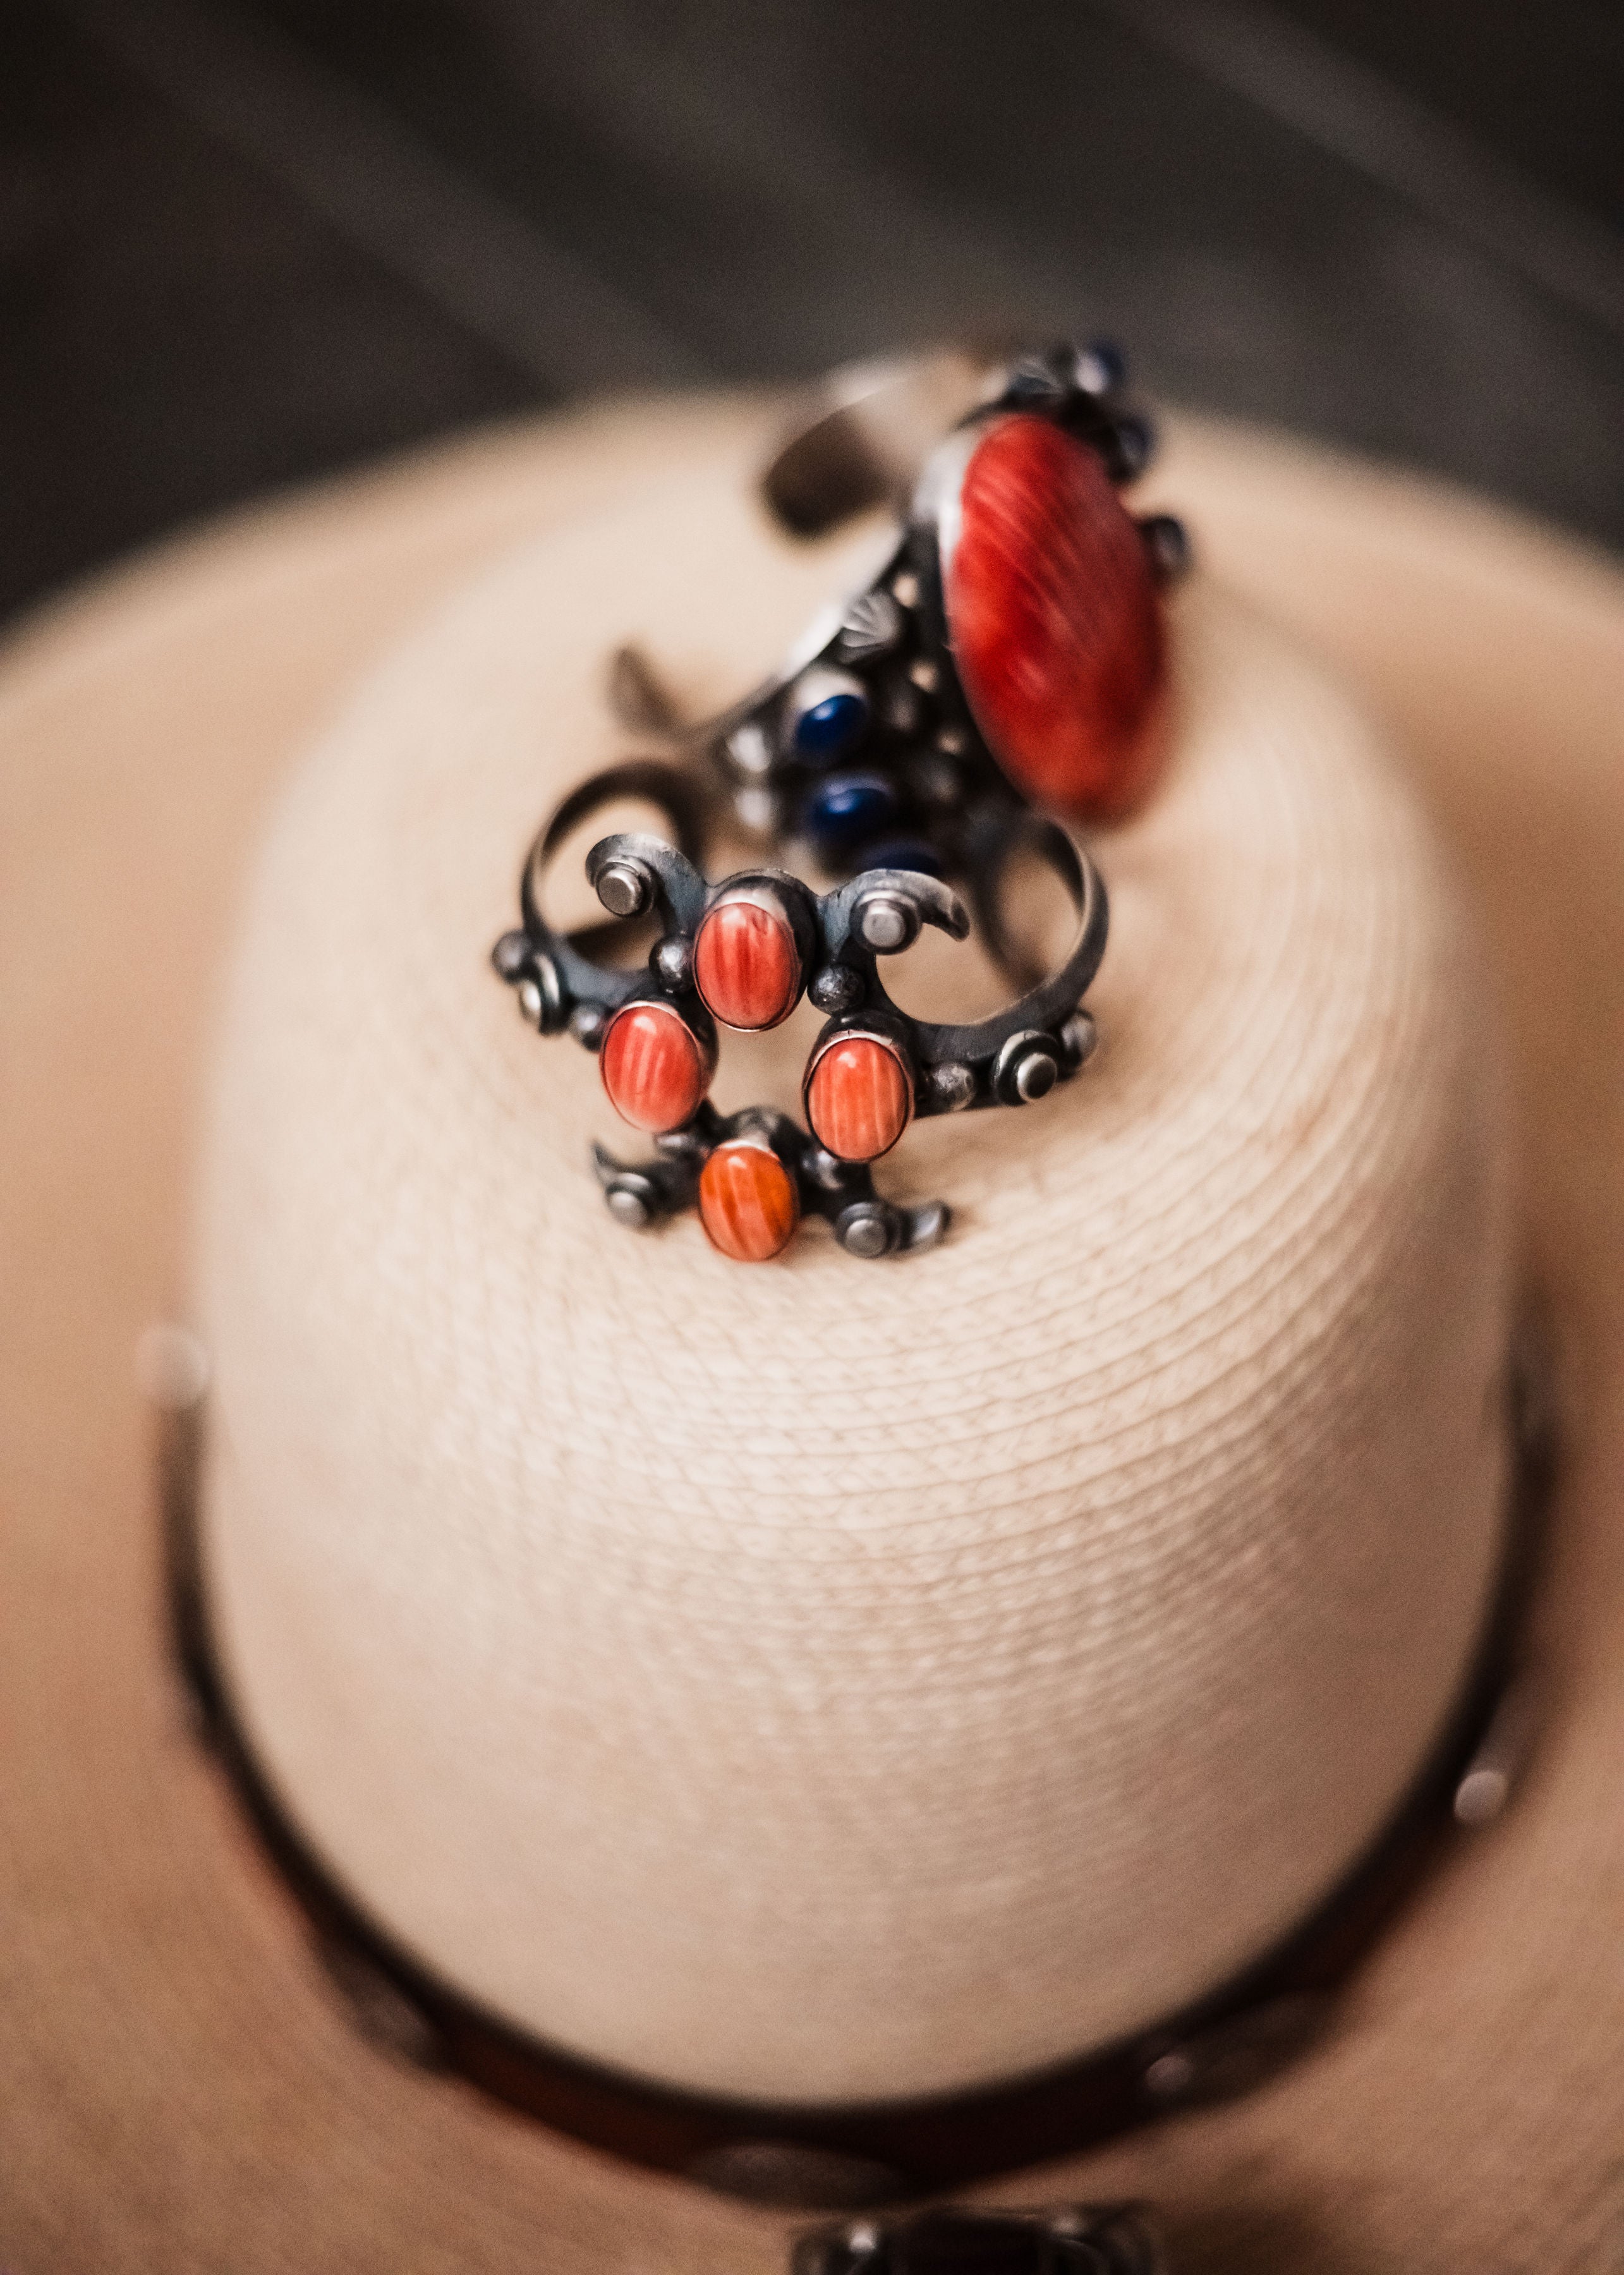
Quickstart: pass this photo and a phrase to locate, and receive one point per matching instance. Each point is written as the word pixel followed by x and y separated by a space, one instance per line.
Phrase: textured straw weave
pixel 824 1682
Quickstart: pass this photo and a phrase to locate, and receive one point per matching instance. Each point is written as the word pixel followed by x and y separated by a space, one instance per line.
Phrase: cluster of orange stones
pixel 747 970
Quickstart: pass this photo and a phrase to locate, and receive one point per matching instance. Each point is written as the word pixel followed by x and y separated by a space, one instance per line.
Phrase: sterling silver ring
pixel 741 953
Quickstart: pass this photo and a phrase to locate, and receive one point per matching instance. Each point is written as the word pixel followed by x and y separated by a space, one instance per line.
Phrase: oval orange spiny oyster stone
pixel 1055 619
pixel 746 965
pixel 859 1097
pixel 654 1066
pixel 748 1203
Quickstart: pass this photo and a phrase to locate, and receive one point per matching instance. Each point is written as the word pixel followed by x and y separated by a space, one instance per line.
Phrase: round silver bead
pixel 511 954
pixel 628 1206
pixel 530 1003
pixel 952 1085
pixel 624 887
pixel 586 1024
pixel 672 962
pixel 749 750
pixel 1079 1038
pixel 835 988
pixel 931 1221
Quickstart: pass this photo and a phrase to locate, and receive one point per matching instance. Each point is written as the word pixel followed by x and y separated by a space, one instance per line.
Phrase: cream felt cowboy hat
pixel 184 2086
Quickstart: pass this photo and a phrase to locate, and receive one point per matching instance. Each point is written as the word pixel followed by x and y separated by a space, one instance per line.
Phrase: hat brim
pixel 179 2086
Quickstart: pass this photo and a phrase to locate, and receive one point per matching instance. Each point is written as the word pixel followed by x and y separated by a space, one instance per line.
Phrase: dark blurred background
pixel 244 244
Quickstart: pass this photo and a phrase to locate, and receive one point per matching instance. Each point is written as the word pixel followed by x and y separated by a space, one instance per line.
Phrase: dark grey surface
pixel 241 245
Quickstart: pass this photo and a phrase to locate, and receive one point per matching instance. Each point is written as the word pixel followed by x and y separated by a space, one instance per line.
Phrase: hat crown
pixel 821 1683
